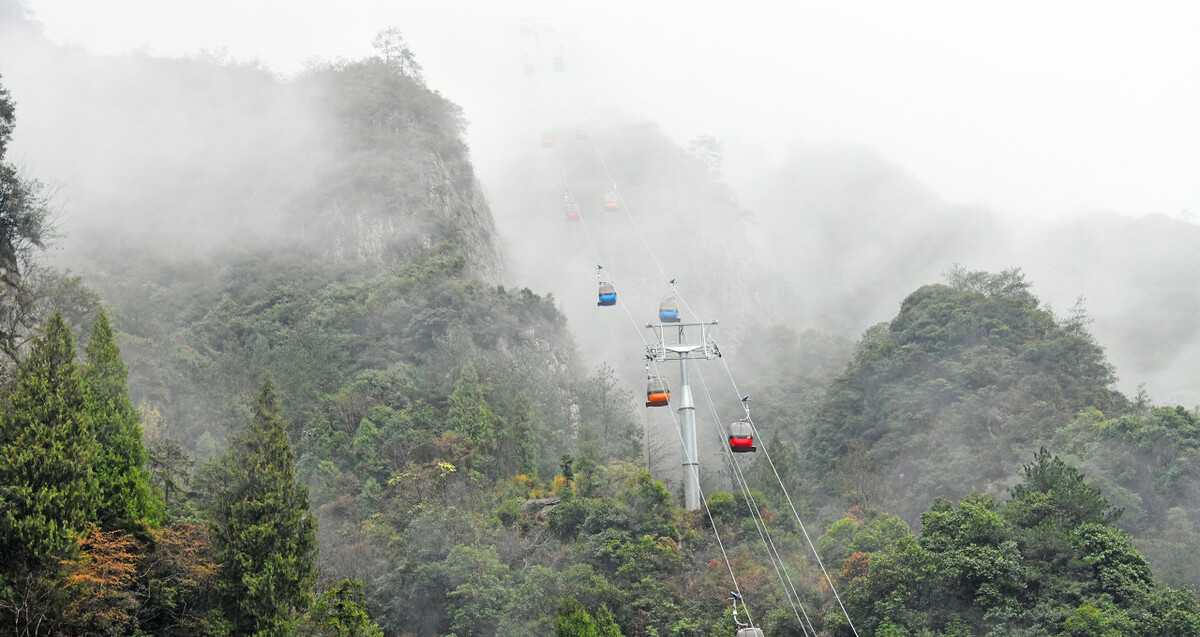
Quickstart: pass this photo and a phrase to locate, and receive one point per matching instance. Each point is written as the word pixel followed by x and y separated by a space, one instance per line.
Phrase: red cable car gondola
pixel 612 201
pixel 570 207
pixel 741 437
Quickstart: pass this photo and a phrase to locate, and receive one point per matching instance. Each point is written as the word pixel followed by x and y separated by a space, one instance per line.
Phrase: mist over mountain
pixel 190 157
pixel 284 355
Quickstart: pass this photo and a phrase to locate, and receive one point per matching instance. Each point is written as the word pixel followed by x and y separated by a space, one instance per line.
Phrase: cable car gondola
pixel 607 294
pixel 570 207
pixel 744 629
pixel 741 437
pixel 612 201
pixel 657 392
pixel 668 310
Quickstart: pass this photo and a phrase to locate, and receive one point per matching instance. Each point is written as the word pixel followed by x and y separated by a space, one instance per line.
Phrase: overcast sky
pixel 1033 108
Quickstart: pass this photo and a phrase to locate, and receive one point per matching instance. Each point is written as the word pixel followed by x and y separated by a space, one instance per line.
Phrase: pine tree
pixel 126 499
pixel 470 414
pixel 263 532
pixel 48 491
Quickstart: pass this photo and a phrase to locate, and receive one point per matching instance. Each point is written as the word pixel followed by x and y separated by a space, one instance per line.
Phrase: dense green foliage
pixel 970 377
pixel 125 495
pixel 966 380
pixel 263 533
pixel 575 621
pixel 48 483
pixel 1148 463
pixel 1046 562
pixel 62 574
pixel 340 612
pixel 73 566
pixel 436 461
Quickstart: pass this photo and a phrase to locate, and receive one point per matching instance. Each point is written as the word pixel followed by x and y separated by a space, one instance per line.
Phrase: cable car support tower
pixel 692 341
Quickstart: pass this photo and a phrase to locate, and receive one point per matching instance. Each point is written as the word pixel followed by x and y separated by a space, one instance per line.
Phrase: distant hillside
pixel 851 233
pixel 225 214
pixel 970 378
pixel 358 162
pixel 676 219
pixel 848 232
pixel 1135 274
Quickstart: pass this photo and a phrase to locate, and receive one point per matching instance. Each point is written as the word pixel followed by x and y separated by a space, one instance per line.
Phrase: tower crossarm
pixel 682 341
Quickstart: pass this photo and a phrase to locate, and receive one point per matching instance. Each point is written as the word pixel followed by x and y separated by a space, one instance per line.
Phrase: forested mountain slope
pixel 967 381
pixel 350 429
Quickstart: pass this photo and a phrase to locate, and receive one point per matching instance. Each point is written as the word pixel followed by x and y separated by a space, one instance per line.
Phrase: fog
pixel 1030 109
pixel 255 189
pixel 867 148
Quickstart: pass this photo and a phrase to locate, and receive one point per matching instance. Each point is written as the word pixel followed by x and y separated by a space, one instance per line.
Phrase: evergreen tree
pixel 263 532
pixel 126 498
pixel 574 620
pixel 48 490
pixel 470 414
pixel 23 227
pixel 1055 492
pixel 340 611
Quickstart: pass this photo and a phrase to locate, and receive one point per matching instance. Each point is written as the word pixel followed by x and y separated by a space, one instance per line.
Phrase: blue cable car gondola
pixel 668 310
pixel 607 295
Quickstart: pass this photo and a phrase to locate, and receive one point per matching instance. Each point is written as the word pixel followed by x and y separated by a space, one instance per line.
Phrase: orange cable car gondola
pixel 657 392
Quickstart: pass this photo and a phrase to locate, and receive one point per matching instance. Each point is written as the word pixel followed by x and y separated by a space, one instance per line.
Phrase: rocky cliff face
pixel 188 159
pixel 397 180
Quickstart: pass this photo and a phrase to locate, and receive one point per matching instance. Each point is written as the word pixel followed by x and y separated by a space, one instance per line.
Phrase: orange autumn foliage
pixel 858 564
pixel 101 580
pixel 184 552
pixel 117 582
